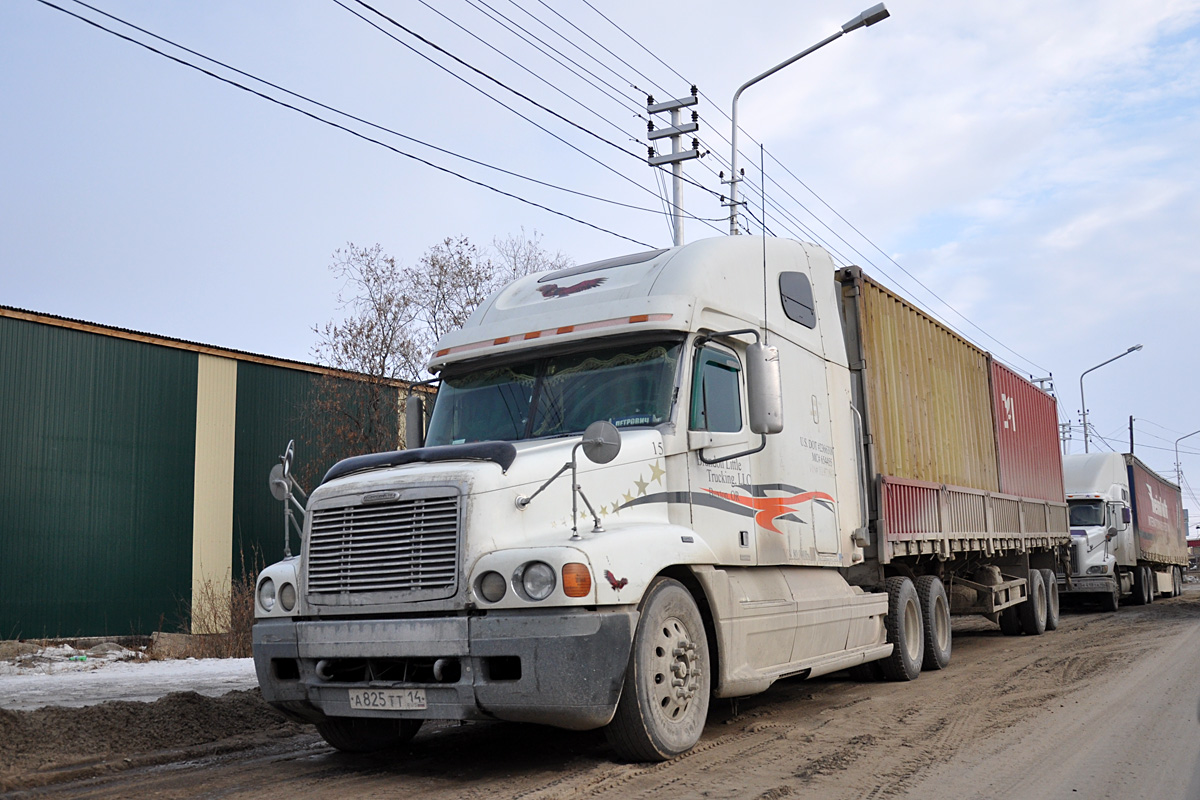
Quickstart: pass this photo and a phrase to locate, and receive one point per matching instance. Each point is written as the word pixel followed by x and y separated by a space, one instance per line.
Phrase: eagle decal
pixel 554 290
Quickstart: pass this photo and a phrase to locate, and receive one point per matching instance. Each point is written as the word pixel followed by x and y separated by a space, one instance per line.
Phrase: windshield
pixel 556 395
pixel 1087 513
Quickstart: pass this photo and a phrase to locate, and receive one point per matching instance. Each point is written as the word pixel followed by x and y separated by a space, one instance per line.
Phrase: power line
pixel 608 167
pixel 366 122
pixel 351 131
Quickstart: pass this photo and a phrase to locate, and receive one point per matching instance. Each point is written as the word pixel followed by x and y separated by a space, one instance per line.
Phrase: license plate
pixel 388 699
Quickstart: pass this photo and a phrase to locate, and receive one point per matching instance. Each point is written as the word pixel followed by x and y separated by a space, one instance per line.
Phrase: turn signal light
pixel 576 580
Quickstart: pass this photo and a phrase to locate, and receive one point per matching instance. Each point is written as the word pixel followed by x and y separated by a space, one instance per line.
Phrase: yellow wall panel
pixel 212 515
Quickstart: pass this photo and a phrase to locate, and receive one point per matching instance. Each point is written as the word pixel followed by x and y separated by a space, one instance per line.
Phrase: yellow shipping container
pixel 928 401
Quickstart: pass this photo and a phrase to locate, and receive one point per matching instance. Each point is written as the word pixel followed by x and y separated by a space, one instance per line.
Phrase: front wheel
pixel 664 701
pixel 367 734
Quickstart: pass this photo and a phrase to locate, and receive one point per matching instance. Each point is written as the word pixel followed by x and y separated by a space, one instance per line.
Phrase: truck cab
pixel 1103 551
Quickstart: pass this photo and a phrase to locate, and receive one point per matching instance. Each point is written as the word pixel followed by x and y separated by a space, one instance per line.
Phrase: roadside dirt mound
pixel 54 744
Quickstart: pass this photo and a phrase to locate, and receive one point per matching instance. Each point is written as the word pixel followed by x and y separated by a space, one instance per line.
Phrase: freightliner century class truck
pixel 786 471
pixel 1127 530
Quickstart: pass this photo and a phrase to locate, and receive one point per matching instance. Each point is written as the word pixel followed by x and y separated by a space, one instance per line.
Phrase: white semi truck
pixel 1128 537
pixel 786 470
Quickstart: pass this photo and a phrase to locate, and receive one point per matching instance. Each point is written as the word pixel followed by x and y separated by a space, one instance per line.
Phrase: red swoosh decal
pixel 770 508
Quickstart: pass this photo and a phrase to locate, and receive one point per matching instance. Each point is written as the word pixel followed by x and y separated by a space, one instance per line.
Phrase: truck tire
pixel 1010 621
pixel 1151 585
pixel 367 734
pixel 1178 577
pixel 1033 611
pixel 935 614
pixel 664 701
pixel 1051 582
pixel 905 631
pixel 1141 591
pixel 1111 601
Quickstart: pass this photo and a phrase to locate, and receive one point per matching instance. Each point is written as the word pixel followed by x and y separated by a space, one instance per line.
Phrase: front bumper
pixel 1087 584
pixel 558 667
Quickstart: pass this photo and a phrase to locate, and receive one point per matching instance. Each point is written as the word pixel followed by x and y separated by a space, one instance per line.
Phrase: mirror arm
pixel 708 337
pixel 523 501
pixel 763 444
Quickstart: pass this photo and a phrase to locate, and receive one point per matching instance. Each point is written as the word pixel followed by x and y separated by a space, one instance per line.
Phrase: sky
pixel 1025 171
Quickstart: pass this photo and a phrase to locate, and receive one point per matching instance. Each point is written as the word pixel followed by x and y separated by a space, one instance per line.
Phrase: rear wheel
pixel 1051 582
pixel 1010 622
pixel 1178 581
pixel 367 734
pixel 1151 585
pixel 1033 611
pixel 904 630
pixel 935 613
pixel 664 701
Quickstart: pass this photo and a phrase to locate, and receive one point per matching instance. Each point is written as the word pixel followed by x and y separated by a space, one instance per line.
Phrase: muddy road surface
pixel 1104 707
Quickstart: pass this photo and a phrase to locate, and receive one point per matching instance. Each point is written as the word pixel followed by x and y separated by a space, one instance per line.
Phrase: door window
pixel 716 392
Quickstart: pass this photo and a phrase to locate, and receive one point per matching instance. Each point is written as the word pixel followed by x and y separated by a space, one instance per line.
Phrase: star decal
pixel 657 472
pixel 641 485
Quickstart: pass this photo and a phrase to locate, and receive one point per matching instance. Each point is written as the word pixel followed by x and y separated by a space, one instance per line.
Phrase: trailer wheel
pixel 1051 582
pixel 935 614
pixel 904 630
pixel 664 701
pixel 367 734
pixel 1010 622
pixel 1177 579
pixel 1151 585
pixel 1033 611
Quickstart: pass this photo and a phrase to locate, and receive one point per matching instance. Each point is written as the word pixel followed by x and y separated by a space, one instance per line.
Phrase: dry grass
pixel 218 620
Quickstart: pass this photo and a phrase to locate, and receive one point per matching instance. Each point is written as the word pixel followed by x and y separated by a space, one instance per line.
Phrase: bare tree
pixel 394 316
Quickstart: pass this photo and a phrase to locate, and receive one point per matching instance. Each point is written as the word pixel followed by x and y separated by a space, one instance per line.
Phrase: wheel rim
pixel 941 625
pixel 912 629
pixel 674 669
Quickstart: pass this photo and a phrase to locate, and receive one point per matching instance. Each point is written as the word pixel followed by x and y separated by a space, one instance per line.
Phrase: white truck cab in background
pixel 1127 534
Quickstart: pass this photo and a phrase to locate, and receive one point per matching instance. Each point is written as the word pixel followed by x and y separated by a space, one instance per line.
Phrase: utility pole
pixel 1131 434
pixel 677 155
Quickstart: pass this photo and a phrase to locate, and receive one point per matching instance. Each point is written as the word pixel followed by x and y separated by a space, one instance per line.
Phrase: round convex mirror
pixel 278 483
pixel 601 441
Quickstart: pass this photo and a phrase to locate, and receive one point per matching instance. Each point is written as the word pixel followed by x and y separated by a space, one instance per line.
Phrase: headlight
pixel 266 594
pixel 492 587
pixel 537 579
pixel 1097 570
pixel 287 597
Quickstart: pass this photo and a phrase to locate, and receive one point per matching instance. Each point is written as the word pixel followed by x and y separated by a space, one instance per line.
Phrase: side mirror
pixel 1112 534
pixel 601 441
pixel 414 421
pixel 764 387
pixel 1126 515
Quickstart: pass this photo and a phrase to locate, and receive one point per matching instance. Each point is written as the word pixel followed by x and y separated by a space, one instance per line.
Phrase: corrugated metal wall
pixel 272 407
pixel 928 396
pixel 1026 437
pixel 97 441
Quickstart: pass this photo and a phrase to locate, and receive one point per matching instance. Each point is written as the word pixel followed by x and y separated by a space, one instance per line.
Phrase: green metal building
pixel 133 472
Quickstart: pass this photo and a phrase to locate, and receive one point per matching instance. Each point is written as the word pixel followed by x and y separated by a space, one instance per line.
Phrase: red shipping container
pixel 1027 448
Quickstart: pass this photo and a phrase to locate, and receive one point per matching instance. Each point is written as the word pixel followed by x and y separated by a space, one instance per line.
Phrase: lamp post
pixel 869 17
pixel 1178 468
pixel 1083 403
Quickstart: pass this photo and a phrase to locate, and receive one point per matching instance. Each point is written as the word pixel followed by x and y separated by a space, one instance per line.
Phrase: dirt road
pixel 1105 707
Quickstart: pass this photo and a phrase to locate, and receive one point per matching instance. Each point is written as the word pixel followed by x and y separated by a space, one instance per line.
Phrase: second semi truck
pixel 1128 538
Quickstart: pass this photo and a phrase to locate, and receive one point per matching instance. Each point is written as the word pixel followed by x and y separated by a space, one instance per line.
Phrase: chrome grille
pixel 410 545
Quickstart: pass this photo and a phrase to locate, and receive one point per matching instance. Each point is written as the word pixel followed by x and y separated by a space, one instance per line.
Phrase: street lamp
pixel 1178 469
pixel 869 17
pixel 1083 403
